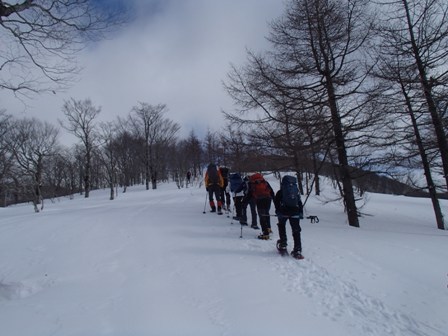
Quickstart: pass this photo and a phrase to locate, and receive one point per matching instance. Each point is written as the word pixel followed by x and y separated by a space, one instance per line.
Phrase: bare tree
pixel 81 121
pixel 157 132
pixel 6 155
pixel 108 155
pixel 416 33
pixel 130 167
pixel 404 101
pixel 144 119
pixel 41 38
pixel 164 138
pixel 34 141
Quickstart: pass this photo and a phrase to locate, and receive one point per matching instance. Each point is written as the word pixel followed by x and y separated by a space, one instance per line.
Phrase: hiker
pixel 260 191
pixel 288 205
pixel 188 177
pixel 237 186
pixel 213 184
pixel 251 203
pixel 225 190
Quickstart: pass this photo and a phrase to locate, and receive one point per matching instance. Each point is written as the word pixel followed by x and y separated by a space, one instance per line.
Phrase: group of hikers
pixel 255 192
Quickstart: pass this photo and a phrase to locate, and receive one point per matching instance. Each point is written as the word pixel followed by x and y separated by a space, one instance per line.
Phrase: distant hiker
pixel 225 190
pixel 188 177
pixel 213 184
pixel 237 185
pixel 288 205
pixel 260 191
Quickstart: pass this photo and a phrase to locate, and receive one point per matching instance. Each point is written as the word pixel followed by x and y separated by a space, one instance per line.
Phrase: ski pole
pixel 205 203
pixel 284 216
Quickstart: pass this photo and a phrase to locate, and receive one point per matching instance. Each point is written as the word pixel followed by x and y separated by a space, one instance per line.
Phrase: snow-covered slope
pixel 151 263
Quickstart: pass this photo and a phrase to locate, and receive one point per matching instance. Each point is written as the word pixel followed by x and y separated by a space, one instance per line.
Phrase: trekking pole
pixel 241 235
pixel 205 203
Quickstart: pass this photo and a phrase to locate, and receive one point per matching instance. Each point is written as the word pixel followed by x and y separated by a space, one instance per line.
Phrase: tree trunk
pixel 112 193
pixel 426 167
pixel 344 169
pixel 87 174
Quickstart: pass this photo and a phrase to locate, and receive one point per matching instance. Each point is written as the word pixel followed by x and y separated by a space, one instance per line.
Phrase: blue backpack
pixel 236 182
pixel 290 192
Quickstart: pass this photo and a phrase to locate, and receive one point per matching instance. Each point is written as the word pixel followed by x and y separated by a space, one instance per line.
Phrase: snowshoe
pixel 264 236
pixel 296 254
pixel 281 248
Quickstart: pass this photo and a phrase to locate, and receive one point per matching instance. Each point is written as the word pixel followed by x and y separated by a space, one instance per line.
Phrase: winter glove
pixel 206 189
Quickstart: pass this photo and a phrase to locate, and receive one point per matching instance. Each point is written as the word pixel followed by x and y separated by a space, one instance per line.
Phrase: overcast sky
pixel 176 52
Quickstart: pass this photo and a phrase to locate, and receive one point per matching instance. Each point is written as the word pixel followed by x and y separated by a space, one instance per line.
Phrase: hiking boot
pixel 254 226
pixel 213 209
pixel 236 218
pixel 243 222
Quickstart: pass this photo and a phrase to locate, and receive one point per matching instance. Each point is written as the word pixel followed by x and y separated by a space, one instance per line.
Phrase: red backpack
pixel 259 187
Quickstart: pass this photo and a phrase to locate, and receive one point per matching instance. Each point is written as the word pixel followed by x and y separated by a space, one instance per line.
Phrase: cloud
pixel 175 52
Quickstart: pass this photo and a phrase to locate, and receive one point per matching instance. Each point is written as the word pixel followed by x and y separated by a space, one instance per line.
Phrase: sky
pixel 151 263
pixel 174 52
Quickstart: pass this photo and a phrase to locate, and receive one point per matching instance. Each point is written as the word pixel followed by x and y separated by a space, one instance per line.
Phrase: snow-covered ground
pixel 151 263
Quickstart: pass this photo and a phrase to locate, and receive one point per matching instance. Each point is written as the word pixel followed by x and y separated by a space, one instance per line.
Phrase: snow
pixel 151 263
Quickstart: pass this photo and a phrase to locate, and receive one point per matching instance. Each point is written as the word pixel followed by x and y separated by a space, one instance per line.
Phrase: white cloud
pixel 177 53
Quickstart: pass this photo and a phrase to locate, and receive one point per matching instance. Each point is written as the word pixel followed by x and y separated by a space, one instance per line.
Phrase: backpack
pixel 236 182
pixel 259 186
pixel 225 175
pixel 290 192
pixel 212 173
